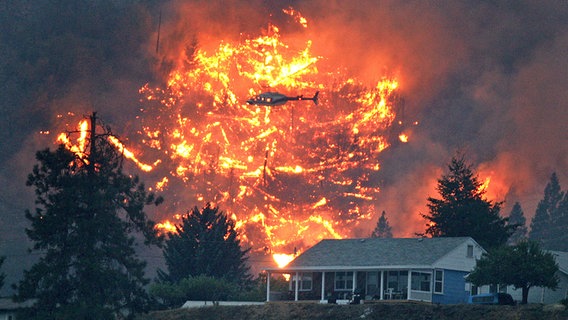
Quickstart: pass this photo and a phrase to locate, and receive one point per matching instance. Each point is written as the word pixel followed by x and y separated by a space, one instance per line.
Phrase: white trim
pixel 354 281
pixel 343 268
pixel 296 288
pixel 323 285
pixel 382 284
pixel 434 281
pixel 268 286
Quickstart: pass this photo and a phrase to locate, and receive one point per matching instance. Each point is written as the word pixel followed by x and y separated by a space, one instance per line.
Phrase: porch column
pixel 409 284
pixel 296 289
pixel 382 285
pixel 267 286
pixel 354 281
pixel 323 286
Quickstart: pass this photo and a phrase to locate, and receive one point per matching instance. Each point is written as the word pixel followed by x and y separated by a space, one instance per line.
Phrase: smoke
pixel 487 77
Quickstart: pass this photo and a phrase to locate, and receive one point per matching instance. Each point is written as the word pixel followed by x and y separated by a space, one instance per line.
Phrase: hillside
pixel 378 311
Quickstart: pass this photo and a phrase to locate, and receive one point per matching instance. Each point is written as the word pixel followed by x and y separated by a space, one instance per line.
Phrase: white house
pixel 9 308
pixel 544 295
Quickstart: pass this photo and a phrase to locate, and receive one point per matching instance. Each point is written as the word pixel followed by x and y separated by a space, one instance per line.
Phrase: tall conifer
pixel 383 228
pixel 518 221
pixel 463 210
pixel 545 216
pixel 86 211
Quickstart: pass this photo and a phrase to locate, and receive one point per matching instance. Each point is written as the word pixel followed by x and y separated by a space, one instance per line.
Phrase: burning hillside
pixel 289 175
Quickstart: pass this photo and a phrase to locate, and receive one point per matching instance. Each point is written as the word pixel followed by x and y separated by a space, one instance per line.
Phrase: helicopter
pixel 277 99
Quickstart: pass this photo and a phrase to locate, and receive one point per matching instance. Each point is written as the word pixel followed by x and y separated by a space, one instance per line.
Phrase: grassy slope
pixel 378 311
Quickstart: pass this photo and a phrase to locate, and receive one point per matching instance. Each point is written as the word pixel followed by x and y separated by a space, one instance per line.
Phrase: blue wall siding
pixel 454 288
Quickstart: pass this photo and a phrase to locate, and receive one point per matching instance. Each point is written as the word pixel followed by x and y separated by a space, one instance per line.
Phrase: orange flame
pixel 282 259
pixel 289 175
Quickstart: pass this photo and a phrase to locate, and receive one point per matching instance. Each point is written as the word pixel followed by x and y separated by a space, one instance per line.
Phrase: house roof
pixel 334 254
pixel 561 259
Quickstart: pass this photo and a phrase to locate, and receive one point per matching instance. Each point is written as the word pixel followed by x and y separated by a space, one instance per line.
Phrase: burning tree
pixel 463 210
pixel 82 228
pixel 288 175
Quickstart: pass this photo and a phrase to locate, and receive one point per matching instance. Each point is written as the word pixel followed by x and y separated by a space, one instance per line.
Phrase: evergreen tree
pixel 462 209
pixel 383 229
pixel 518 221
pixel 87 209
pixel 523 266
pixel 545 217
pixel 205 243
pixel 559 239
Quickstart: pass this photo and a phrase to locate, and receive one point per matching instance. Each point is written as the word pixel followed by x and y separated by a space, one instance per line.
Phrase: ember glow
pixel 289 175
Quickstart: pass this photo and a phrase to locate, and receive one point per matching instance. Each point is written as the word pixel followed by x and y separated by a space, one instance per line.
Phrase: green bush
pixel 193 288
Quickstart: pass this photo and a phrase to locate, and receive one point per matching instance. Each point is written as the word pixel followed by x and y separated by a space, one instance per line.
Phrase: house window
pixel 439 281
pixel 420 281
pixel 469 251
pixel 344 281
pixel 305 280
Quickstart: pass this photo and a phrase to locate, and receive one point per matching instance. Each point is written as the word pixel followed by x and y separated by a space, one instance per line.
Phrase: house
pixel 9 308
pixel 419 269
pixel 545 295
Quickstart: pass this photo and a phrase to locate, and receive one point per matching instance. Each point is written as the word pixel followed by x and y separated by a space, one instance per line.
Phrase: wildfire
pixel 79 147
pixel 283 259
pixel 166 226
pixel 289 175
pixel 485 185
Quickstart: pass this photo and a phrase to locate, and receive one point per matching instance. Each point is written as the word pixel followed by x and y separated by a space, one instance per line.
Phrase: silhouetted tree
pixel 462 209
pixel 87 210
pixel 383 229
pixel 546 214
pixel 523 266
pixel 518 221
pixel 559 239
pixel 205 243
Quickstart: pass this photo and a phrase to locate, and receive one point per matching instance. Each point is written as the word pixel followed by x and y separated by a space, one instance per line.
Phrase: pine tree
pixel 206 243
pixel 518 221
pixel 462 209
pixel 559 235
pixel 383 229
pixel 87 209
pixel 544 218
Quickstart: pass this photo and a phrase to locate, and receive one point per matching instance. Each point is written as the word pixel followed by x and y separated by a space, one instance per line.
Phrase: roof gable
pixel 375 252
pixel 561 259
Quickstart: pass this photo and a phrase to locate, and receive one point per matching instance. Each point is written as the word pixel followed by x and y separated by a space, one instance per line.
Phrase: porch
pixel 369 284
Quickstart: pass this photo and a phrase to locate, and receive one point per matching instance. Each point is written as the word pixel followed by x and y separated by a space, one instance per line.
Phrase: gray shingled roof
pixel 372 252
